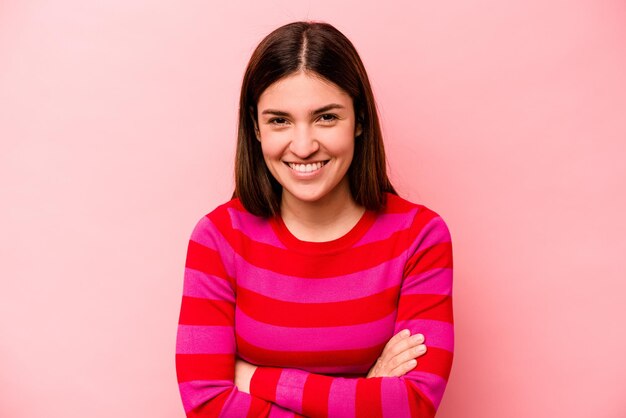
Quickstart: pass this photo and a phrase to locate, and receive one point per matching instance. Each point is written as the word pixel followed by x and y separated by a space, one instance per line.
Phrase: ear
pixel 358 127
pixel 257 133
pixel 358 130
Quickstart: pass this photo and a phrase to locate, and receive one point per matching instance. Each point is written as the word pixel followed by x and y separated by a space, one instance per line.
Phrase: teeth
pixel 306 168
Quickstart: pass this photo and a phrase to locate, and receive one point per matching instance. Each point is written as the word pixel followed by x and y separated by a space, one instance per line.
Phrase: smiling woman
pixel 307 149
pixel 316 289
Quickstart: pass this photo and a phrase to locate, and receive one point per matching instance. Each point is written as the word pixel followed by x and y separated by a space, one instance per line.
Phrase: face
pixel 307 128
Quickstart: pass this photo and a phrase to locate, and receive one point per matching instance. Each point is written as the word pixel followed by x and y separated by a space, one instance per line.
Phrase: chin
pixel 307 197
pixel 314 196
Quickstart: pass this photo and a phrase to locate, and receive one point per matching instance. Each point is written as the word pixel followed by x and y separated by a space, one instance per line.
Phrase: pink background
pixel 117 127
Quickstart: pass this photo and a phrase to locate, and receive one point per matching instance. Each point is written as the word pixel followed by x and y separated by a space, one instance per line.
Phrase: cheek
pixel 270 145
pixel 339 142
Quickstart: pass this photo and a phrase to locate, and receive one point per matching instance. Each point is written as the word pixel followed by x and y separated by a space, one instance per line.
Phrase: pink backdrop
pixel 117 122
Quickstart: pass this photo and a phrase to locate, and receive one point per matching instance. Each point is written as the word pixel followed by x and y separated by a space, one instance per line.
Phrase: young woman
pixel 312 292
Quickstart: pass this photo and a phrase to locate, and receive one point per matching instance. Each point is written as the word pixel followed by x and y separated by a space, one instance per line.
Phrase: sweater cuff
pixel 264 383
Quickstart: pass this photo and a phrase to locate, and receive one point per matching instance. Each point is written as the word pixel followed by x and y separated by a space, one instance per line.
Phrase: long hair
pixel 321 49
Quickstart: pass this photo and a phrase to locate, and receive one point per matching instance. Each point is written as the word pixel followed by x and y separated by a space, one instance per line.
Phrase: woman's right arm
pixel 205 344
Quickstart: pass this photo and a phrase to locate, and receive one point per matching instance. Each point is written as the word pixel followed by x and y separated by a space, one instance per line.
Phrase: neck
pixel 324 220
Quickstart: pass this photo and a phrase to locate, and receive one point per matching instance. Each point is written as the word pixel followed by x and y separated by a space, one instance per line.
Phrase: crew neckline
pixel 345 241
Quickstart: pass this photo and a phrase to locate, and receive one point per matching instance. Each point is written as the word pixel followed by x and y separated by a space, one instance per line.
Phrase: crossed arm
pixel 232 395
pixel 213 382
pixel 398 358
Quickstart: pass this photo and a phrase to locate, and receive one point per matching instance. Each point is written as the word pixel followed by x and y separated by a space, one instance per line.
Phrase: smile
pixel 307 168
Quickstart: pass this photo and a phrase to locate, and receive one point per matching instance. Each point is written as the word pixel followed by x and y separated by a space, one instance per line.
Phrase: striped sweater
pixel 314 316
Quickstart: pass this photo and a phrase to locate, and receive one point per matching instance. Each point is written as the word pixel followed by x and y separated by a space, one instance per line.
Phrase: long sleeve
pixel 205 346
pixel 424 306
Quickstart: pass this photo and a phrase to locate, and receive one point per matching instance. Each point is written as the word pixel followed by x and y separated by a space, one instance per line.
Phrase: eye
pixel 328 118
pixel 278 121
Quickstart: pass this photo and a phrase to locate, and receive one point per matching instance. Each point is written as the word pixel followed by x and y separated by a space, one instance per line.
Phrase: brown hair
pixel 321 49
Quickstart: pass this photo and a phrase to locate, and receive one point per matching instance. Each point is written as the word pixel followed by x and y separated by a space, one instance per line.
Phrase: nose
pixel 303 143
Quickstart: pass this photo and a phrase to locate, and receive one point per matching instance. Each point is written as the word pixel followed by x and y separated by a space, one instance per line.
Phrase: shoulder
pixel 223 210
pixel 217 219
pixel 422 218
pixel 227 219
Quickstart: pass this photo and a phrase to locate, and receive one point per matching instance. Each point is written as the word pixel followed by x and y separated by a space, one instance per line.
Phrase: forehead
pixel 302 90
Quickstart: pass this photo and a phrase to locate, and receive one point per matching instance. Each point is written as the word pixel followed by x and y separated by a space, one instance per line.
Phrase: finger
pixel 407 355
pixel 398 365
pixel 389 366
pixel 403 369
pixel 405 333
pixel 403 345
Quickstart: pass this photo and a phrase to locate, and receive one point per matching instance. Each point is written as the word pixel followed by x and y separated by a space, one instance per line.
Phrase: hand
pixel 243 374
pixel 399 355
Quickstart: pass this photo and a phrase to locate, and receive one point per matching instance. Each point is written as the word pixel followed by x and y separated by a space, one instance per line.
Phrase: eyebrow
pixel 313 113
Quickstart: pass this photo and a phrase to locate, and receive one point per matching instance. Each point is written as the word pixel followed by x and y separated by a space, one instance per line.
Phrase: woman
pixel 312 291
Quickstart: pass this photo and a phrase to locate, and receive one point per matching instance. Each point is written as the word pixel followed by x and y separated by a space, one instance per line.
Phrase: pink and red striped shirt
pixel 314 316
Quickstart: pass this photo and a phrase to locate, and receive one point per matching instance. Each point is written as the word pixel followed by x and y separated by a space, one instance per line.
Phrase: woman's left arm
pixel 425 306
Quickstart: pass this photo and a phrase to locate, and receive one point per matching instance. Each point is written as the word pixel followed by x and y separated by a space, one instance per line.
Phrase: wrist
pixel 264 382
pixel 243 375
